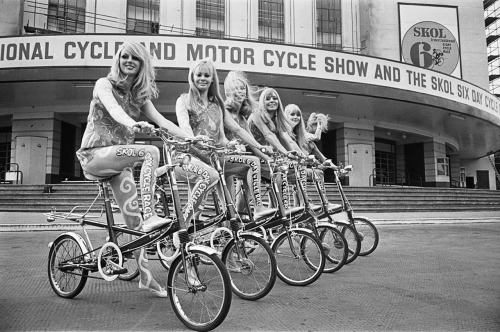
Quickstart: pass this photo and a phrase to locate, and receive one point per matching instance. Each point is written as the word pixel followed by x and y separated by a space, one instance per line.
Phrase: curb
pixel 378 222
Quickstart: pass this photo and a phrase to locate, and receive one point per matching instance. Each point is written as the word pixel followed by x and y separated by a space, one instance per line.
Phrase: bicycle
pixel 200 306
pixel 362 226
pixel 332 240
pixel 326 210
pixel 248 258
pixel 299 254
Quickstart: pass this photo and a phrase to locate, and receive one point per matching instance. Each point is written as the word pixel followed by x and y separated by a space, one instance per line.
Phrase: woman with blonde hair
pixel 202 112
pixel 294 114
pixel 317 123
pixel 108 149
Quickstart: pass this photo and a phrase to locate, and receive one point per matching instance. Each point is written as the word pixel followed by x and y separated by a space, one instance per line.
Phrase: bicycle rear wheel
pixel 204 307
pixel 337 248
pixel 66 278
pixel 252 275
pixel 368 235
pixel 305 263
pixel 353 242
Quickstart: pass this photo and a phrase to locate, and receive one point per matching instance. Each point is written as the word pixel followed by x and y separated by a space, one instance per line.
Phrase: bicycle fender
pixel 205 249
pixel 303 229
pixel 77 237
pixel 252 234
pixel 342 223
pixel 324 223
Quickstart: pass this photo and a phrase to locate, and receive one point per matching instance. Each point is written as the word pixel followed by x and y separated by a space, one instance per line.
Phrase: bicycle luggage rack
pixel 77 217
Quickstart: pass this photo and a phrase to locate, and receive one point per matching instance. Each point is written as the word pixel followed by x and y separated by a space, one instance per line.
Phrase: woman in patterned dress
pixel 201 112
pixel 108 149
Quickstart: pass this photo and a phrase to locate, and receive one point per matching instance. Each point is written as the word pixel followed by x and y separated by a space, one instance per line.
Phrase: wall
pixel 380 30
pixel 10 16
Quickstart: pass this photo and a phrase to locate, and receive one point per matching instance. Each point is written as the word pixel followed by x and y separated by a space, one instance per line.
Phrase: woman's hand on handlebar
pixel 143 127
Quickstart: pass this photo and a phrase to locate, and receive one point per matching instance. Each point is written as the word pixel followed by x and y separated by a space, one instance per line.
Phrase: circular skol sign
pixel 431 45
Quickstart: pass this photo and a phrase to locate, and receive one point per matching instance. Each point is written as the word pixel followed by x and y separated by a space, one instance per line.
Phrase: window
pixel 271 25
pixel 66 16
pixel 210 18
pixel 143 16
pixel 443 166
pixel 329 24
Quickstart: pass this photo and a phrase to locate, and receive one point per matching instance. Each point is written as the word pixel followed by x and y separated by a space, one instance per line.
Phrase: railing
pixel 10 172
pixel 398 177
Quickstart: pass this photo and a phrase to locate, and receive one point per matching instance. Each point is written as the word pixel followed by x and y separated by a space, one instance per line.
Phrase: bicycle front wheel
pixel 368 235
pixel 205 306
pixel 353 242
pixel 66 278
pixel 300 258
pixel 336 248
pixel 253 271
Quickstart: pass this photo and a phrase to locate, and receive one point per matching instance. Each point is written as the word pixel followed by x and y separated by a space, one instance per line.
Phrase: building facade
pixel 406 84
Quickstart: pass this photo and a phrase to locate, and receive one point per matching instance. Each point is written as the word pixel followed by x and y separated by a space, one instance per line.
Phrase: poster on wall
pixel 429 37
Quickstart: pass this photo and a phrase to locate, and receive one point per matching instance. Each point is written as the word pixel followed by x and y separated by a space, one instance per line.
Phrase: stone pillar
pixel 432 151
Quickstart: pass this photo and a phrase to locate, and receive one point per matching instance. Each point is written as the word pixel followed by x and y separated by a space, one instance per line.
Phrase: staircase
pixel 63 197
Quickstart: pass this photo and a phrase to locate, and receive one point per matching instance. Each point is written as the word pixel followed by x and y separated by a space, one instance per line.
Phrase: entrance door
pixel 414 164
pixel 483 179
pixel 31 155
pixel 361 158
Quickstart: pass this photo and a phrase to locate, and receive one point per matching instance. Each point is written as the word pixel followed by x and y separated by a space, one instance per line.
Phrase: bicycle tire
pixel 206 309
pixel 129 261
pixel 68 284
pixel 337 247
pixel 353 241
pixel 254 275
pixel 368 235
pixel 303 269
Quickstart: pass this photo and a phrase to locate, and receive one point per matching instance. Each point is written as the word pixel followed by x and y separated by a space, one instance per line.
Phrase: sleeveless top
pixel 102 130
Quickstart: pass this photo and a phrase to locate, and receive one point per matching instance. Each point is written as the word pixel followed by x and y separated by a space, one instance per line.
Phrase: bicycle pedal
pixel 119 271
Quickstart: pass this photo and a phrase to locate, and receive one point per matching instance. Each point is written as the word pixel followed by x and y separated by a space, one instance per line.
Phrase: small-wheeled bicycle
pixel 365 230
pixel 248 258
pixel 72 259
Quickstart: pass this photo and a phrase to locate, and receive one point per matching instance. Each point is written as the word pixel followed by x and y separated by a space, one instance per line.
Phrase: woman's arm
pixel 183 116
pixel 104 91
pixel 317 135
pixel 152 114
pixel 239 131
pixel 315 151
pixel 289 143
pixel 268 134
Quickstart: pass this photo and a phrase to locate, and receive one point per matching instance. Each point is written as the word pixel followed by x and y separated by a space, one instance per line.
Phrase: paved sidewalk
pixel 29 221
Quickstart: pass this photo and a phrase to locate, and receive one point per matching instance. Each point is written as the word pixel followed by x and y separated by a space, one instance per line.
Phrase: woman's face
pixel 271 102
pixel 294 116
pixel 129 64
pixel 202 78
pixel 240 91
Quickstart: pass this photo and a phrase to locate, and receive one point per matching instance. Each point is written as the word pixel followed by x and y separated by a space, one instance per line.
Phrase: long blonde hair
pixel 250 103
pixel 144 85
pixel 193 95
pixel 318 118
pixel 299 131
pixel 281 122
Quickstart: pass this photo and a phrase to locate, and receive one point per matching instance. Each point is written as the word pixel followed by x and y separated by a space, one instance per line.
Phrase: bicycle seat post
pixel 103 185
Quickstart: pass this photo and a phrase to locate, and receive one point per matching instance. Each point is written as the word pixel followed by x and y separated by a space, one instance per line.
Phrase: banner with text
pixel 181 51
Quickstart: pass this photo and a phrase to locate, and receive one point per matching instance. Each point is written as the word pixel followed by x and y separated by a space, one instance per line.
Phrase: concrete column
pixel 356 147
pixel 432 151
